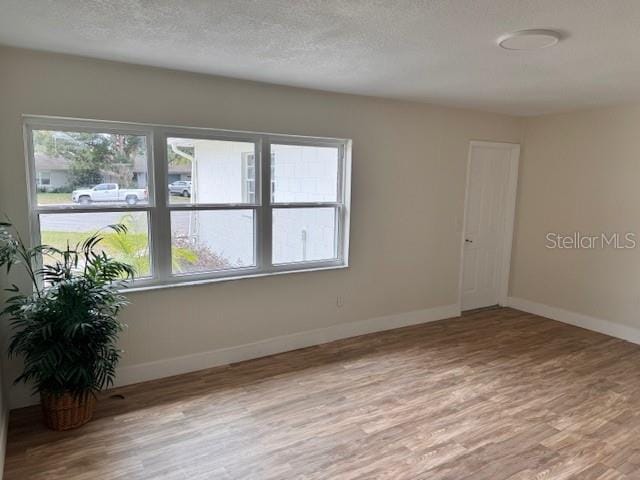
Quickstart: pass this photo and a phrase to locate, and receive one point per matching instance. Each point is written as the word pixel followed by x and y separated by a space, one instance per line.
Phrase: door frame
pixel 509 214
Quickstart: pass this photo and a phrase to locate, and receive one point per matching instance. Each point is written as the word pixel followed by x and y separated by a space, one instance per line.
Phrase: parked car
pixel 180 187
pixel 110 192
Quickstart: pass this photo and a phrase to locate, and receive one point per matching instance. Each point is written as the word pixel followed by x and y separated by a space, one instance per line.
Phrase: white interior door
pixel 488 223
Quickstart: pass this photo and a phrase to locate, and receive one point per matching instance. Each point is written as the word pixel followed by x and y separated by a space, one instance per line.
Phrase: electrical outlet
pixel 339 301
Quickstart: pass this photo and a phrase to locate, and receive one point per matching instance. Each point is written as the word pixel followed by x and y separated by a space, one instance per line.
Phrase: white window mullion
pixel 340 209
pixel 345 199
pixel 160 222
pixel 264 226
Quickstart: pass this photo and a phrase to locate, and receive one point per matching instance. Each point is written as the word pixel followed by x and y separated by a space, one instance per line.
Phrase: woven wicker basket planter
pixel 66 411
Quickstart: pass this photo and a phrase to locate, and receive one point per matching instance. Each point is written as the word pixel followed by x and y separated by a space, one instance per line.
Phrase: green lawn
pixel 60 239
pixel 131 248
pixel 62 198
pixel 53 198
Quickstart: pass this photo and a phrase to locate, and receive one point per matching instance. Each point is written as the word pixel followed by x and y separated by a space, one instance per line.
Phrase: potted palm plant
pixel 66 326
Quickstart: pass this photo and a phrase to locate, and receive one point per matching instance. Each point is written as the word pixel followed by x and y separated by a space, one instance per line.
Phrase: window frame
pixel 246 166
pixel 159 207
pixel 338 205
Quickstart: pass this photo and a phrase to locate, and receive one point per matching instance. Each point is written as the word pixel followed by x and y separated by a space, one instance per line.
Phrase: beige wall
pixel 580 172
pixel 409 165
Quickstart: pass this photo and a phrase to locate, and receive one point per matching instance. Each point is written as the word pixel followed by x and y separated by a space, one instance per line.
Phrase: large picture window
pixel 198 204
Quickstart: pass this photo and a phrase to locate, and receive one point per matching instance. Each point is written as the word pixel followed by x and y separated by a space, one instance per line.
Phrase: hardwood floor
pixel 494 395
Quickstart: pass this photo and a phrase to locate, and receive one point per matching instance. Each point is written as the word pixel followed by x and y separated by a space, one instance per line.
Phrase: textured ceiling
pixel 437 51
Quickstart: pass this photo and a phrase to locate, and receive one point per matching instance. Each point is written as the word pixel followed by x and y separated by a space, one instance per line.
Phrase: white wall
pixel 58 179
pixel 580 172
pixel 407 200
pixel 217 178
pixel 300 174
pixel 304 174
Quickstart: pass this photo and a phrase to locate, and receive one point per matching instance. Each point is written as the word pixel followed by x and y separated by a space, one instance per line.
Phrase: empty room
pixel 318 240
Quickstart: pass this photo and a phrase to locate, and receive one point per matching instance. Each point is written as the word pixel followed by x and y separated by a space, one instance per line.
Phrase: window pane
pixel 90 168
pixel 206 241
pixel 304 234
pixel 133 247
pixel 304 173
pixel 211 171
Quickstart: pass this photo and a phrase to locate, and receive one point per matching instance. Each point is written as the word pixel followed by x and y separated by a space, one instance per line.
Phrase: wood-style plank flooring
pixel 494 395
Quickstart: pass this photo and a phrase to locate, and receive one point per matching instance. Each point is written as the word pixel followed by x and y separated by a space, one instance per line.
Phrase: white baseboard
pixel 128 374
pixel 618 330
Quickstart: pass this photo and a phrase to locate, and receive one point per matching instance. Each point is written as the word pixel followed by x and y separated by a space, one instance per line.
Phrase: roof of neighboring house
pixel 47 162
pixel 180 168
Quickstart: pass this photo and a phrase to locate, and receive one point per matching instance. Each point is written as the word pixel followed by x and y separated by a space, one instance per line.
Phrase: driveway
pixel 89 222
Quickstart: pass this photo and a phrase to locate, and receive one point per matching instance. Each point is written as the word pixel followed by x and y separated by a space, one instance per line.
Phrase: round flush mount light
pixel 533 39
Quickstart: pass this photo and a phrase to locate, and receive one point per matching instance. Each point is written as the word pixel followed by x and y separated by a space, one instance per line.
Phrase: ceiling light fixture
pixel 532 39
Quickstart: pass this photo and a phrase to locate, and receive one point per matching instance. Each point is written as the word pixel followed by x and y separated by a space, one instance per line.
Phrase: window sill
pixel 205 281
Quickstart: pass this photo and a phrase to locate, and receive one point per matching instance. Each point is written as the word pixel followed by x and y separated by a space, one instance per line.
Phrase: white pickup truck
pixel 110 192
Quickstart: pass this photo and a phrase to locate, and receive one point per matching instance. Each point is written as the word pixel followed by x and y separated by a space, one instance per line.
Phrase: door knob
pixel 468 241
